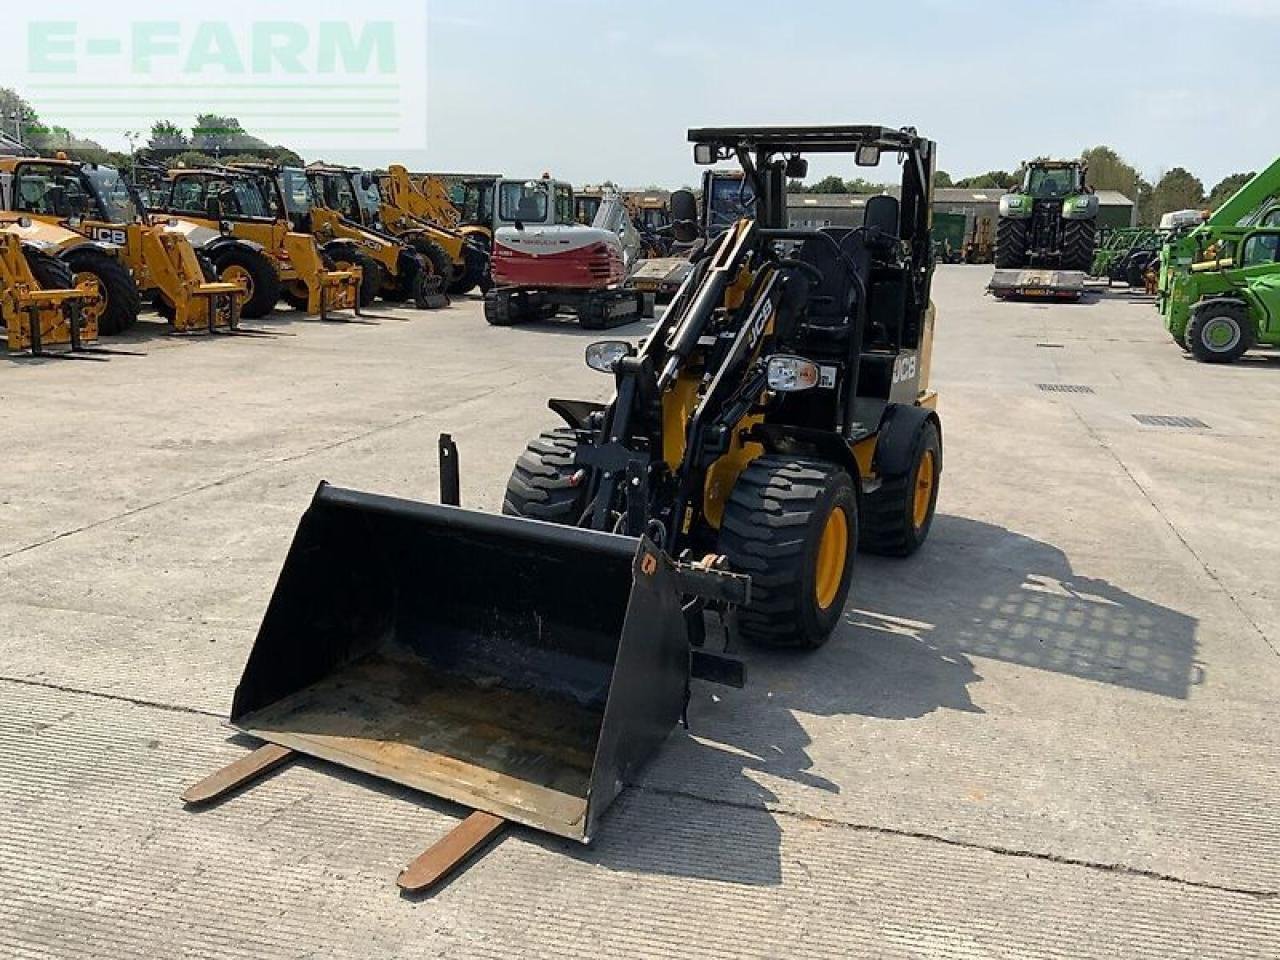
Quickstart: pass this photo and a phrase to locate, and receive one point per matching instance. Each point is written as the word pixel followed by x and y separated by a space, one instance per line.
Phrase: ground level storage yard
pixel 1052 733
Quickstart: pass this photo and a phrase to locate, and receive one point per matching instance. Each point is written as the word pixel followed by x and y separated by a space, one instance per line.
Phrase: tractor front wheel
pixel 1013 237
pixel 1079 238
pixel 792 525
pixel 1220 332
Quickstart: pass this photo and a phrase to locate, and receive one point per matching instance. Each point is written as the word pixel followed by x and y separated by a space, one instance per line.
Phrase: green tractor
pixel 1219 278
pixel 1052 221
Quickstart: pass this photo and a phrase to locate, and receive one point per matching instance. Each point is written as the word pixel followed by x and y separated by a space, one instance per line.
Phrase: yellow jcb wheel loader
pixel 269 212
pixel 774 422
pixel 400 214
pixel 40 304
pixel 156 259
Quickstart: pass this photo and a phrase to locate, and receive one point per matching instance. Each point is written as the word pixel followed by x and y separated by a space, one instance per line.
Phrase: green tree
pixel 831 184
pixel 1178 189
pixel 19 119
pixel 941 179
pixel 991 180
pixel 1110 171
pixel 1227 188
pixel 166 135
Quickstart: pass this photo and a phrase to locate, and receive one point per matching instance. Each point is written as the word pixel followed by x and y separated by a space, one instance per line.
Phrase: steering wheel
pixel 808 269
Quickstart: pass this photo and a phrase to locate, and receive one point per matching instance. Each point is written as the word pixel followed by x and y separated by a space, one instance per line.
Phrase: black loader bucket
pixel 517 667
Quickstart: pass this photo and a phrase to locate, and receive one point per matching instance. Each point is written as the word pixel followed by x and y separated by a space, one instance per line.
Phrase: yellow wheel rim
pixel 833 553
pixel 924 490
pixel 95 308
pixel 238 274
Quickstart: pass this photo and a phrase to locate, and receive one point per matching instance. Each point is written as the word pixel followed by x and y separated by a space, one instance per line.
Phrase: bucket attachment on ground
pixel 517 667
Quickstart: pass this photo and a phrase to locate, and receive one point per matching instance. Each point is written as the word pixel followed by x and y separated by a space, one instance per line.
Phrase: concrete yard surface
pixel 1050 734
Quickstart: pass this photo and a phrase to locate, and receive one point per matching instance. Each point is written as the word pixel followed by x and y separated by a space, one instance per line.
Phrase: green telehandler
pixel 1218 280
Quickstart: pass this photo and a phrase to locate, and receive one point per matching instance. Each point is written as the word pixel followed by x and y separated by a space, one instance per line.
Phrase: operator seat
pixel 838 304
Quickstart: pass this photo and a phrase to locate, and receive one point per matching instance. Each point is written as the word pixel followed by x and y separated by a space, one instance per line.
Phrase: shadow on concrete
pixel 906 650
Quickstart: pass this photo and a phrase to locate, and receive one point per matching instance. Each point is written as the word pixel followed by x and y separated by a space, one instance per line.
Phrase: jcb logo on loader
pixel 905 368
pixel 108 235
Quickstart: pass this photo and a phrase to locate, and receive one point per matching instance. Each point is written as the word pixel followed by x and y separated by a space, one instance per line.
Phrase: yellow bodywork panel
pixel 325 290
pixel 26 307
pixel 724 472
pixel 171 267
pixel 677 409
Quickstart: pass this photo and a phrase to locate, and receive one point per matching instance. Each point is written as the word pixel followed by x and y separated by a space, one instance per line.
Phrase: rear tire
pixel 235 264
pixel 1013 237
pixel 792 525
pixel 1079 238
pixel 897 517
pixel 121 301
pixel 1220 332
pixel 541 485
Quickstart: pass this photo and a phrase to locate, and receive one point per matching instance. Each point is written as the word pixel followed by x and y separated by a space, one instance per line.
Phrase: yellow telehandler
pixel 268 212
pixel 156 258
pixel 393 203
pixel 40 304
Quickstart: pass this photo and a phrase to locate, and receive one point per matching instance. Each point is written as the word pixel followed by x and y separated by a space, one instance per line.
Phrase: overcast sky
pixel 593 90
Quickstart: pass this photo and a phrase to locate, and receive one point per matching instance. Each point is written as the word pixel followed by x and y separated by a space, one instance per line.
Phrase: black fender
pixel 220 243
pixel 900 424
pixel 575 413
pixel 790 440
pixel 336 248
pixel 106 249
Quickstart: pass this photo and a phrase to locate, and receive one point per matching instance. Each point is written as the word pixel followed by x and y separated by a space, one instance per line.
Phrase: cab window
pixel 526 202
pixel 564 205
pixel 1261 248
pixel 188 195
pixel 52 191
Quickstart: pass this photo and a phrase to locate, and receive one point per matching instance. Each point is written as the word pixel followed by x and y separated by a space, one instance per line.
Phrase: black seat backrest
pixel 883 212
pixel 831 302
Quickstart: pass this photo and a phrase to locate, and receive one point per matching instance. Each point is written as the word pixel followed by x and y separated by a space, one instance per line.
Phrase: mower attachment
pixel 521 668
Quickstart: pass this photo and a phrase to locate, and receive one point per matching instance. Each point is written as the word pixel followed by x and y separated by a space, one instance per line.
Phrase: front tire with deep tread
pixel 542 484
pixel 264 281
pixel 1079 241
pixel 1013 237
pixel 773 530
pixel 344 256
pixel 475 264
pixel 890 527
pixel 121 300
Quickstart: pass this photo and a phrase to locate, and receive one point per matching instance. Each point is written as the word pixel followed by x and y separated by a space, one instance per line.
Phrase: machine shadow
pixel 905 651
